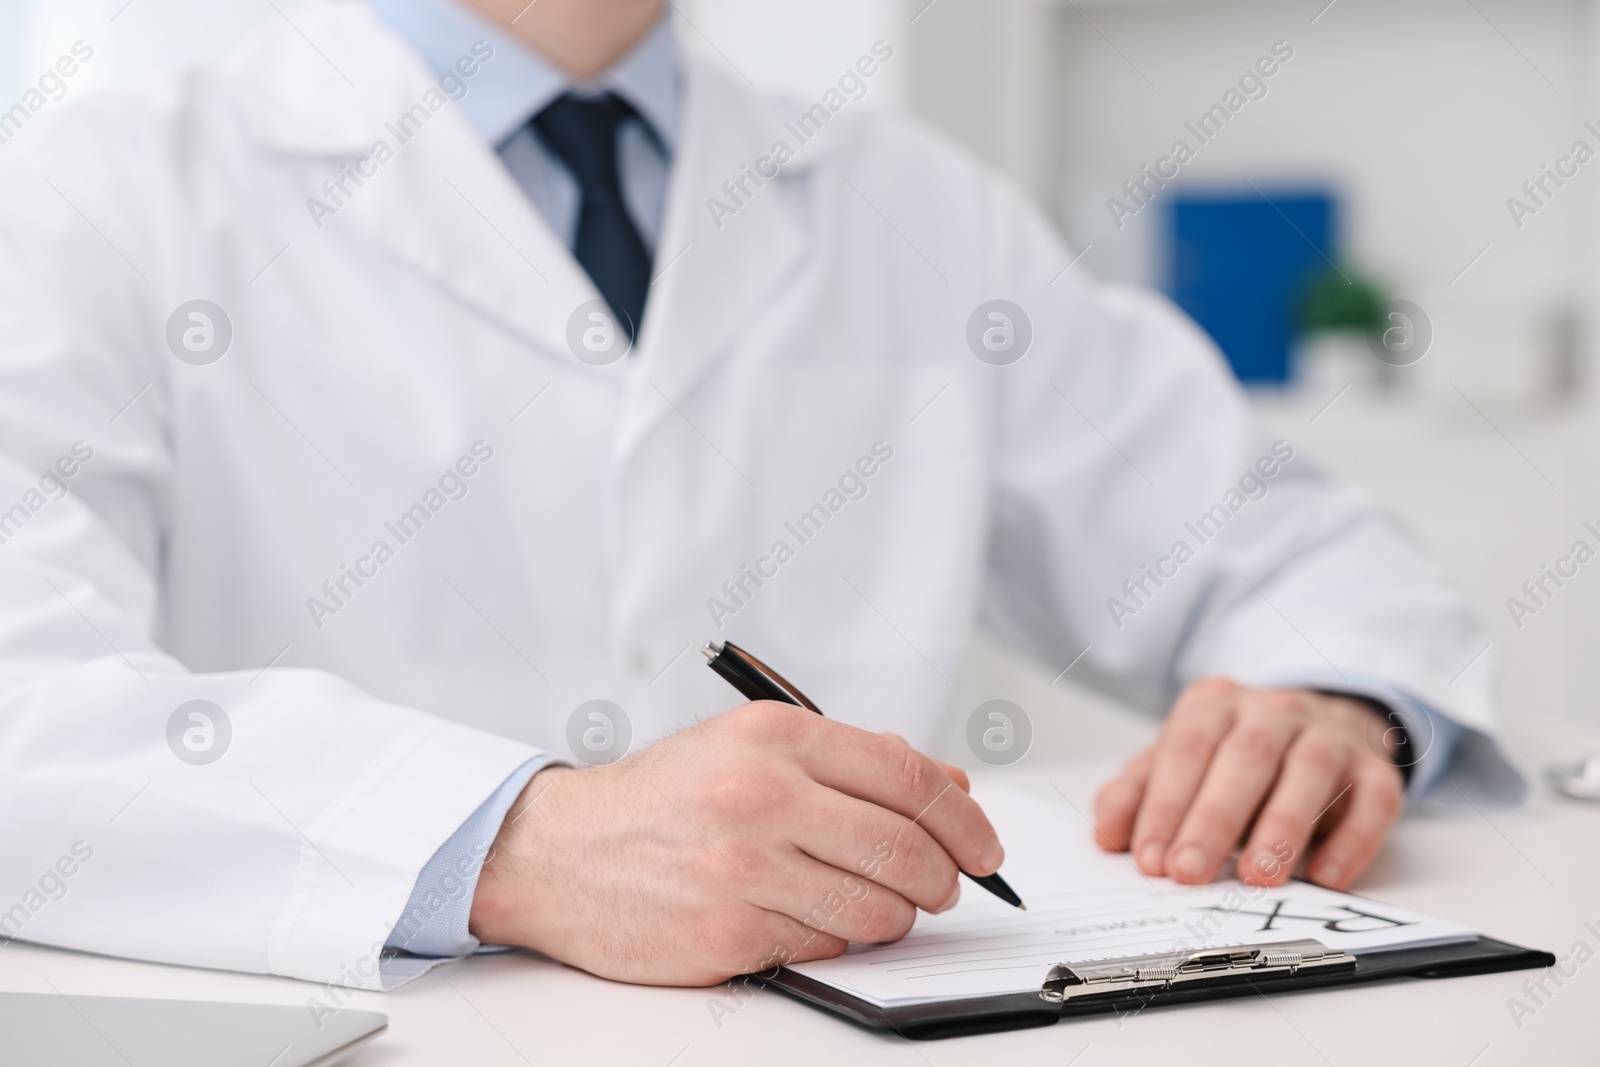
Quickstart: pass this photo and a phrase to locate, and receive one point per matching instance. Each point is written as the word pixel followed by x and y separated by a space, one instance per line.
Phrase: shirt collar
pixel 517 83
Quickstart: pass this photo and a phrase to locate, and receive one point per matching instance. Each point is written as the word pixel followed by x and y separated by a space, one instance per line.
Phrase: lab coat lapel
pixel 440 201
pixel 447 208
pixel 717 274
pixel 452 212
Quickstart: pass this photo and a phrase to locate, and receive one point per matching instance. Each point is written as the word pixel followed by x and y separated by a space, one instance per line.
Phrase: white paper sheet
pixel 1086 904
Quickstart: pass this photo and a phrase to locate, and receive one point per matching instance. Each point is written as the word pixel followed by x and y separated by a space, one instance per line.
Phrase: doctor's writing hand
pixel 1269 770
pixel 763 836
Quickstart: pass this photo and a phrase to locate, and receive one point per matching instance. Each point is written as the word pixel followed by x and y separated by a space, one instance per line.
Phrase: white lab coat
pixel 827 317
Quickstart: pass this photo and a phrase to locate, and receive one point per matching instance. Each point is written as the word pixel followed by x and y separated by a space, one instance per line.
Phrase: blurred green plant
pixel 1338 301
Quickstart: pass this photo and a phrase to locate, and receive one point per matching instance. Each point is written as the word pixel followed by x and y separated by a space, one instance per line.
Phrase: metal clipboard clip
pixel 1168 970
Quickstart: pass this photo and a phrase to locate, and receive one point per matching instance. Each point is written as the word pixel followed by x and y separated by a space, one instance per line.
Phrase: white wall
pixel 1424 116
pixel 1419 112
pixel 129 38
pixel 801 48
pixel 798 48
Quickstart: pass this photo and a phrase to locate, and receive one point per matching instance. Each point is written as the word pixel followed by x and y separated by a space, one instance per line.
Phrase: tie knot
pixel 582 132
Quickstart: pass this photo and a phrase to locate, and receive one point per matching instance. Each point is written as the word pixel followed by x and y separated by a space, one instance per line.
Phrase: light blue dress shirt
pixel 501 97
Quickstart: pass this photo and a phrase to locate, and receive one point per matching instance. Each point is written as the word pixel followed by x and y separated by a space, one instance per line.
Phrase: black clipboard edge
pixel 1020 1011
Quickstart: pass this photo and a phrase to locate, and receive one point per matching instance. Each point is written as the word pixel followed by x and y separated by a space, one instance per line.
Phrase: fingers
pixel 957 775
pixel 1375 801
pixel 1314 770
pixel 867 841
pixel 838 903
pixel 811 945
pixel 1199 721
pixel 1232 757
pixel 1117 803
pixel 1245 766
pixel 891 774
pixel 760 940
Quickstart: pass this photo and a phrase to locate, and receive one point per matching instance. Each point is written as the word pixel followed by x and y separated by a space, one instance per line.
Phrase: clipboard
pixel 1131 984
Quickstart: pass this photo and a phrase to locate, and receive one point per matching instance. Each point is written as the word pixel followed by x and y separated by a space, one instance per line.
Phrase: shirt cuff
pixel 434 922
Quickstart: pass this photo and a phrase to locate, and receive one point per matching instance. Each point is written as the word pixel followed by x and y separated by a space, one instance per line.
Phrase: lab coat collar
pixel 323 80
pixel 507 92
pixel 332 85
pixel 446 206
pixel 718 275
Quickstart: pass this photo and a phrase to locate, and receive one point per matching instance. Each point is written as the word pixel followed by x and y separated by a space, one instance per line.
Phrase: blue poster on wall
pixel 1237 263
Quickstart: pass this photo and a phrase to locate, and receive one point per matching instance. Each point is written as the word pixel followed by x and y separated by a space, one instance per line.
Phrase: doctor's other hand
pixel 763 836
pixel 1267 771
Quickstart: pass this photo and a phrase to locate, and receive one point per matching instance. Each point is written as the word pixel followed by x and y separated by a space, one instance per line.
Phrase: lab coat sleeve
pixel 295 850
pixel 436 918
pixel 1147 521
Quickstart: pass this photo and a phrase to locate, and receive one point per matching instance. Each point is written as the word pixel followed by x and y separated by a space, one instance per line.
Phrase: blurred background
pixel 1348 228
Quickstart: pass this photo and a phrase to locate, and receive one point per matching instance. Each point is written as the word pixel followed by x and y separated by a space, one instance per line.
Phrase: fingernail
pixel 1150 857
pixel 992 856
pixel 1189 861
pixel 1267 865
pixel 1328 873
pixel 955 897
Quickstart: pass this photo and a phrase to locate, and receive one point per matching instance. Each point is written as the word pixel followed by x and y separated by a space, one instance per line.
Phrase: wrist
pixel 505 905
pixel 1381 729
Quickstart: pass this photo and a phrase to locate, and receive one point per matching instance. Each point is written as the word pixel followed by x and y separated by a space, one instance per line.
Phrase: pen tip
pixel 1022 907
pixel 712 650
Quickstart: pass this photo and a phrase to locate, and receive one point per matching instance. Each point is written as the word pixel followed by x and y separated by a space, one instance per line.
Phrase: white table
pixel 1532 878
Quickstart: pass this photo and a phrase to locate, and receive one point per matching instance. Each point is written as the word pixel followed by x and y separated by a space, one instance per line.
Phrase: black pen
pixel 758 681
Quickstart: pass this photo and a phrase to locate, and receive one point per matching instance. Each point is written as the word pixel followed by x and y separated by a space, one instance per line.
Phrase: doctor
pixel 395 407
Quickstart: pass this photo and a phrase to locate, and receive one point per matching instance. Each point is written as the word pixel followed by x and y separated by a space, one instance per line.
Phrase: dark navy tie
pixel 582 133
